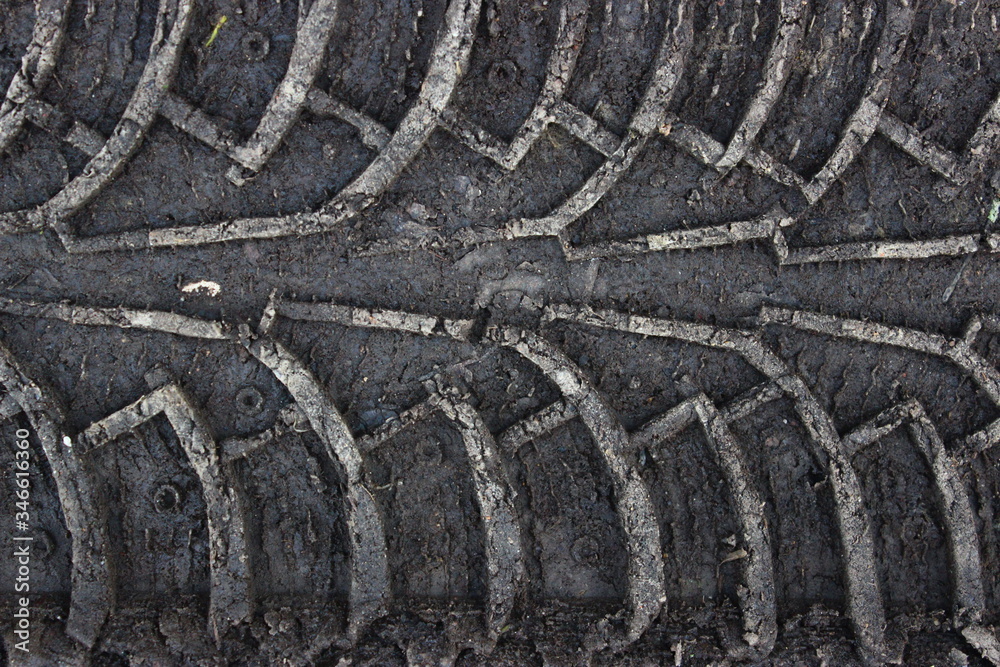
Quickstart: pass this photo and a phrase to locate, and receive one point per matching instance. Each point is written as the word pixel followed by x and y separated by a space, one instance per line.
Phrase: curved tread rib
pixel 968 595
pixel 504 560
pixel 784 49
pixel 289 97
pixel 859 129
pixel 863 122
pixel 647 120
pixel 449 59
pixel 37 65
pixel 294 93
pixel 231 601
pixel 369 560
pixel 93 594
pixel 957 350
pixel 165 53
pixel 369 574
pixel 955 504
pixel 494 495
pixel 635 509
pixel 760 620
pixel 864 601
pixel 572 24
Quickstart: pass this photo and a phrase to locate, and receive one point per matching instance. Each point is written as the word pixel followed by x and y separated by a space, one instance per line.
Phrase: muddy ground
pixel 503 333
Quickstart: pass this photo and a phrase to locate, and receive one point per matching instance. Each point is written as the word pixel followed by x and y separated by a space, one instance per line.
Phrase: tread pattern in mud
pixel 490 466
pixel 859 50
pixel 217 475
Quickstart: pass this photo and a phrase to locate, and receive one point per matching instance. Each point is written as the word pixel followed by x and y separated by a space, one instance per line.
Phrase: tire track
pixel 37 65
pixel 151 88
pixel 581 399
pixel 230 599
pixel 93 594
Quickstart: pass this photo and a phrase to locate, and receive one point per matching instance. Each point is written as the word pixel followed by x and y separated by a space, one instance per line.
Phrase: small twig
pixel 215 30
pixel 954 283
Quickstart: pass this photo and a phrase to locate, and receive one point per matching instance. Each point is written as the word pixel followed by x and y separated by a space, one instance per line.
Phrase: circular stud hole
pixel 502 73
pixel 167 498
pixel 250 401
pixel 255 46
pixel 429 451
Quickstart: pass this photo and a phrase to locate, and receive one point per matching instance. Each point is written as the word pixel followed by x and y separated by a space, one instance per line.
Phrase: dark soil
pixel 791 462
